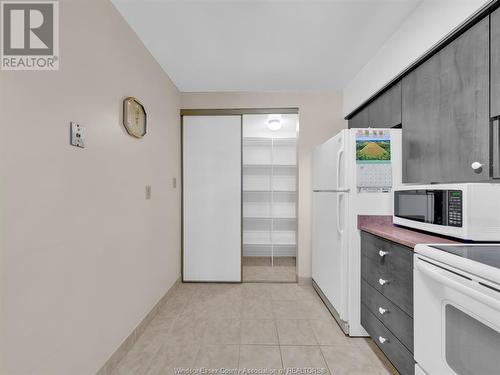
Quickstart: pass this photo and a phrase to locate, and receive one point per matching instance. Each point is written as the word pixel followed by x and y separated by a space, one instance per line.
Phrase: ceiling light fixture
pixel 274 122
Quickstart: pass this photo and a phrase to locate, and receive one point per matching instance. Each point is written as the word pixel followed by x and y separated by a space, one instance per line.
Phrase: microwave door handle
pixel 495 148
pixel 434 206
pixel 431 272
pixel 430 206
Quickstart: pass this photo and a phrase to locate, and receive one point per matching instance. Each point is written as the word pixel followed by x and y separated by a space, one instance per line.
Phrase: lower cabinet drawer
pixel 395 319
pixel 397 353
pixel 388 267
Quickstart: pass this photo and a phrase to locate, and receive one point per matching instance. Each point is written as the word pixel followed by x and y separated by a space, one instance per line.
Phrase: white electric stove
pixel 457 309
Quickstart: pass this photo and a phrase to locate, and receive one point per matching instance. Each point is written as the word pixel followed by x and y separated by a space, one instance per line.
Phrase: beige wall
pixel 84 256
pixel 320 117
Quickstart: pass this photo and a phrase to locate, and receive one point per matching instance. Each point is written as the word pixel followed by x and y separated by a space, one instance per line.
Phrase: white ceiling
pixel 263 45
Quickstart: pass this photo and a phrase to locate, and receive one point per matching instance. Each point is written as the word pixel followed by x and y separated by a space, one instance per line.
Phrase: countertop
pixel 382 226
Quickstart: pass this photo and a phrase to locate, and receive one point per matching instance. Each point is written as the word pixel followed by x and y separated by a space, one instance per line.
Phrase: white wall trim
pixel 132 338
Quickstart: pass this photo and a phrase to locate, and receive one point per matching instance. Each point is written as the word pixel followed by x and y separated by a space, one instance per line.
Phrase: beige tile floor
pixel 260 269
pixel 252 326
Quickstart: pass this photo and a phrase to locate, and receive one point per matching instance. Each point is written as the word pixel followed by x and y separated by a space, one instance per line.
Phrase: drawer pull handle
pixel 382 253
pixel 382 340
pixel 382 281
pixel 382 311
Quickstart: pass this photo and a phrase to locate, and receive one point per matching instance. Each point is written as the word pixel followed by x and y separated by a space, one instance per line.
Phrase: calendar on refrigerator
pixel 373 160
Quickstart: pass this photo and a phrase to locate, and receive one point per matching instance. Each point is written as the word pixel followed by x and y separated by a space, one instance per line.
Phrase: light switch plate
pixel 148 192
pixel 174 182
pixel 77 138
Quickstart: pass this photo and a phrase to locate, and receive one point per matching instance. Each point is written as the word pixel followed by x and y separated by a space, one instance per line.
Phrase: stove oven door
pixel 456 321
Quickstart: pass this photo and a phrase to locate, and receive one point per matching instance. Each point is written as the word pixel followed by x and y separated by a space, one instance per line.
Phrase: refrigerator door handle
pixel 340 230
pixel 339 155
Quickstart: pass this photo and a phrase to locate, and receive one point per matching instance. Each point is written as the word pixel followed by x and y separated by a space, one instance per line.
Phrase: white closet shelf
pixel 277 166
pixel 263 243
pixel 284 231
pixel 266 141
pixel 269 191
pixel 258 250
pixel 264 209
pixel 270 218
pixel 264 197
pixel 282 218
pixel 278 171
pixel 268 243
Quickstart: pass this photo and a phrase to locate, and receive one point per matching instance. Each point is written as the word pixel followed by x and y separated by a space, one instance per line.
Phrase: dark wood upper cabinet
pixel 445 112
pixel 360 119
pixel 495 63
pixel 383 112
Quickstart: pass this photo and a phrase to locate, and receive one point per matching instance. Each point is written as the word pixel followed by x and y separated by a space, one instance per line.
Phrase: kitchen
pixel 398 207
pixel 250 187
pixel 422 277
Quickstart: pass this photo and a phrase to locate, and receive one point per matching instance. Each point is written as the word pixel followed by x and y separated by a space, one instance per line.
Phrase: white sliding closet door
pixel 212 198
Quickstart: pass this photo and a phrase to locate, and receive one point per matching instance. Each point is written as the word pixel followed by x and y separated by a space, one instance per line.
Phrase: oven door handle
pixel 437 274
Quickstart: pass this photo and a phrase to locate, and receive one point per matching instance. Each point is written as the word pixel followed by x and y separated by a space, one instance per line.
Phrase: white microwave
pixel 469 211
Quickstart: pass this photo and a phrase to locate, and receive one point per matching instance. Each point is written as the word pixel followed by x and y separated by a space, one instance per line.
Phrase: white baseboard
pixel 304 280
pixel 131 339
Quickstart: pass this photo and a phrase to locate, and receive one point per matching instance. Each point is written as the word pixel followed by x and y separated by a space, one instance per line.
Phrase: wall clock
pixel 134 117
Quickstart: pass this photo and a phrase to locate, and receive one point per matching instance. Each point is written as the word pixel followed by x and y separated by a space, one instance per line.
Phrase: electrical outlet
pixel 77 138
pixel 148 192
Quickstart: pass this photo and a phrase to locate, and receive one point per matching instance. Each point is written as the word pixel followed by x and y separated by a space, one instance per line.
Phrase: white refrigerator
pixel 353 174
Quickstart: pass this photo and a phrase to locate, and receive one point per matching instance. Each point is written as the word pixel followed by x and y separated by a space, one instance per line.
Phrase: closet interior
pixel 269 167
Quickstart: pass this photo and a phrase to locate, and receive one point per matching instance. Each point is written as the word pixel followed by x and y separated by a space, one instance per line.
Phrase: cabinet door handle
pixel 382 281
pixel 382 311
pixel 382 253
pixel 382 340
pixel 477 167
